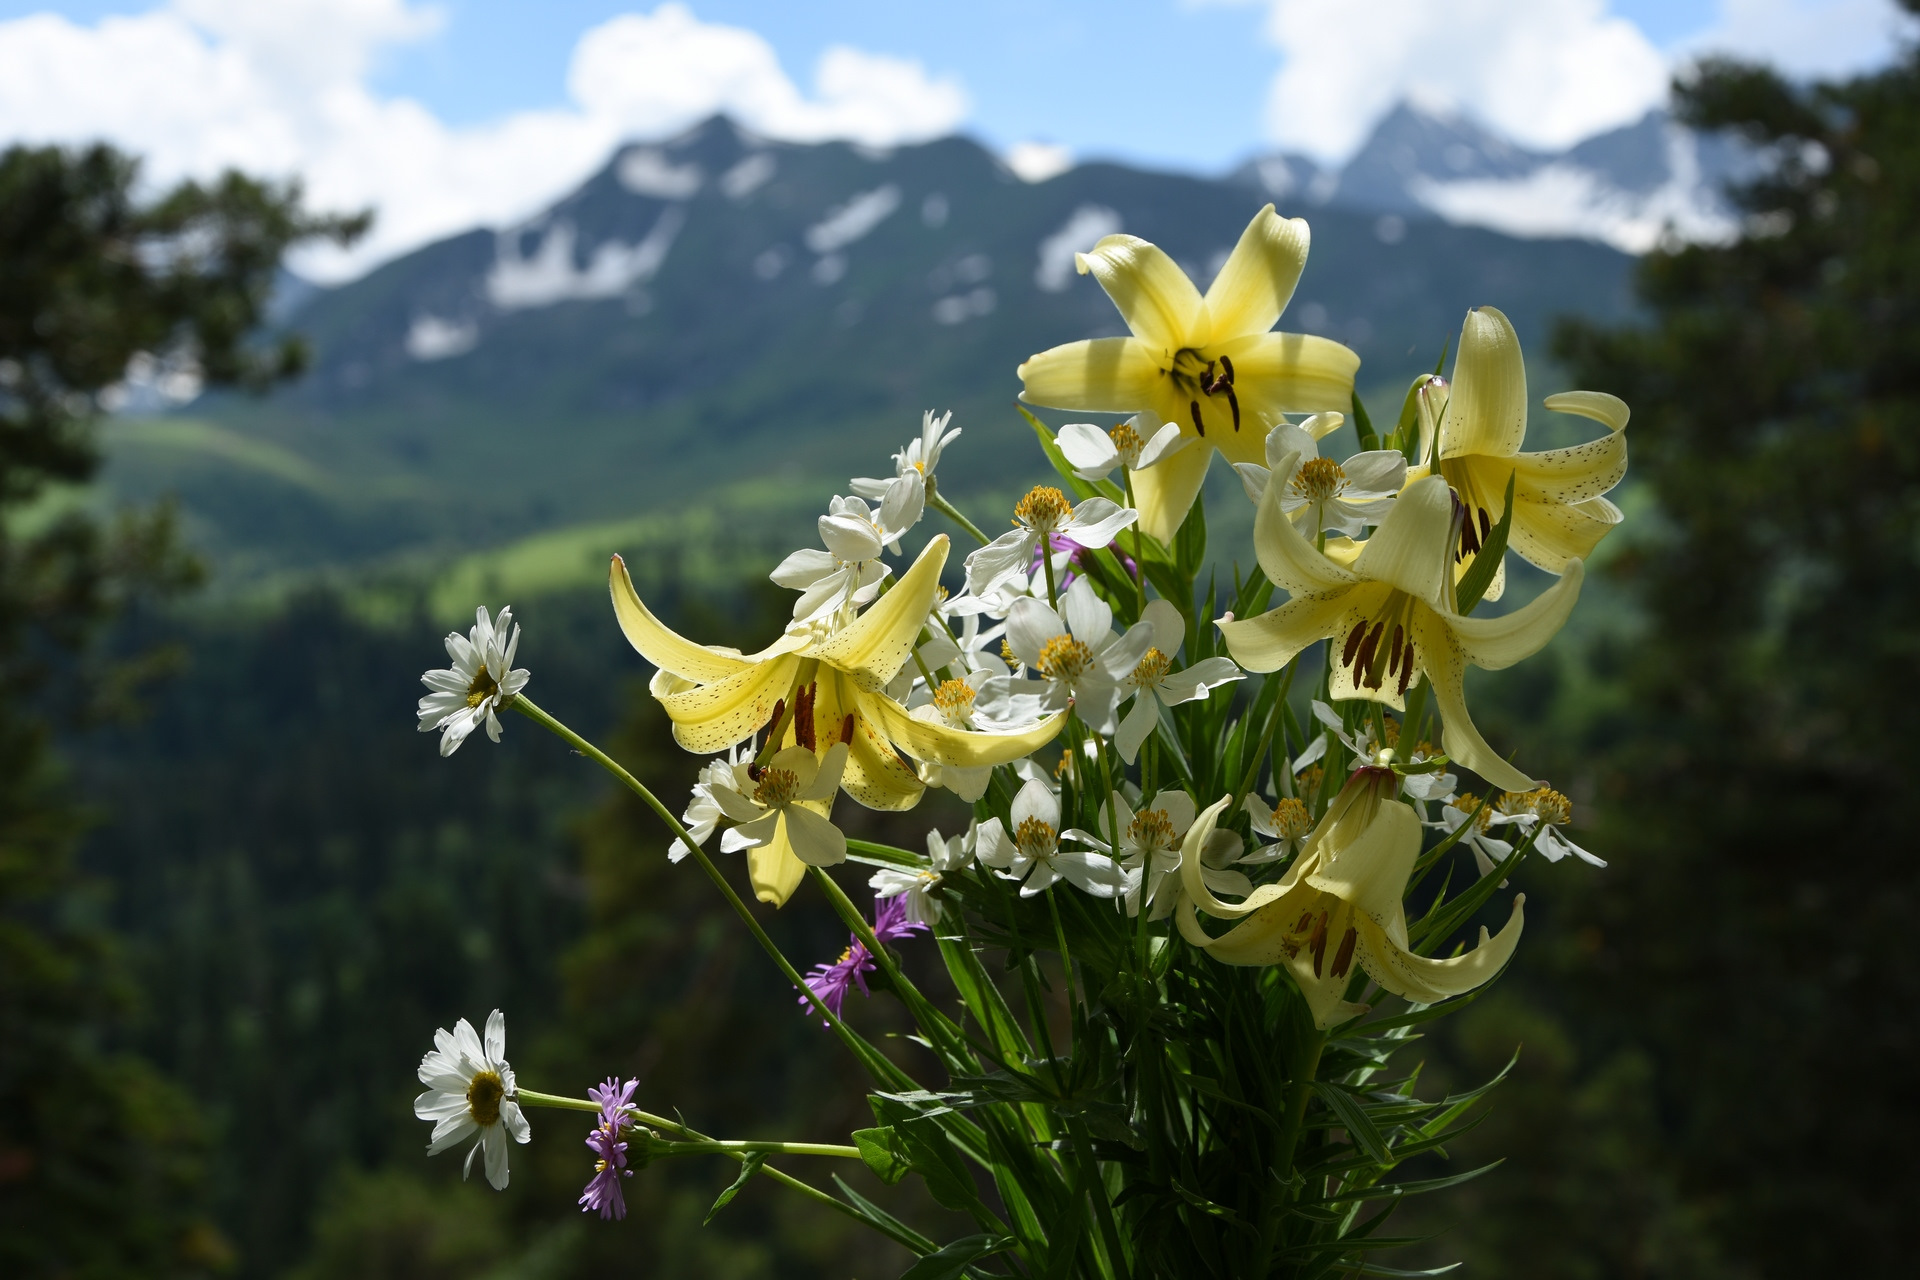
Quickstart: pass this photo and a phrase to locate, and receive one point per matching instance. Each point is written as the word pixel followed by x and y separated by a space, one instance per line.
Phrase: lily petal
pixel 876 644
pixel 1099 375
pixel 959 748
pixel 709 718
pixel 1164 493
pixel 1550 534
pixel 1499 642
pixel 1430 981
pixel 660 644
pixel 1155 297
pixel 1445 665
pixel 1259 277
pixel 1286 557
pixel 1276 373
pixel 1273 639
pixel 1411 547
pixel 1487 407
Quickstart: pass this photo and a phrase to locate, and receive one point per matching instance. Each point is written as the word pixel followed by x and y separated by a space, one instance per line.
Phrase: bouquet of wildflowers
pixel 1217 872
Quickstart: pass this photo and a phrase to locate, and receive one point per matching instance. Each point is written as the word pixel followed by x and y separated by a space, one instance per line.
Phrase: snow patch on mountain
pixel 849 222
pixel 550 274
pixel 647 172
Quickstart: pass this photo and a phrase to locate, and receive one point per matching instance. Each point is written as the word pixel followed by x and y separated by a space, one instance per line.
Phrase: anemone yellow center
pixel 1064 658
pixel 1043 509
pixel 1151 830
pixel 1153 668
pixel 1477 811
pixel 482 688
pixel 1126 442
pixel 777 787
pixel 1319 480
pixel 1291 819
pixel 484 1092
pixel 1544 803
pixel 954 701
pixel 1035 838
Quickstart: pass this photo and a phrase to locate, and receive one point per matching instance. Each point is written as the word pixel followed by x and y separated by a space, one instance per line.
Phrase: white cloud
pixel 280 89
pixel 1807 38
pixel 1543 72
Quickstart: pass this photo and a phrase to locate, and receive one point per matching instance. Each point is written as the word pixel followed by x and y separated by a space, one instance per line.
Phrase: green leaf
pixel 1190 543
pixel 880 1151
pixel 1080 488
pixel 928 1149
pixel 748 1167
pixel 1364 425
pixel 950 1260
pixel 1355 1120
pixel 1486 562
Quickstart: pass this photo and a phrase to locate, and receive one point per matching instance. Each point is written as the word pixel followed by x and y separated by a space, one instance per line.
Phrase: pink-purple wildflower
pixel 603 1189
pixel 831 982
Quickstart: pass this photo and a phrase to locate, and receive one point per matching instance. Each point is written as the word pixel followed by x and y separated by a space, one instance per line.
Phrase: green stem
pixel 1046 559
pixel 930 1019
pixel 528 1098
pixel 1266 741
pixel 1297 1094
pixel 1139 554
pixel 747 1148
pixel 875 1062
pixel 952 513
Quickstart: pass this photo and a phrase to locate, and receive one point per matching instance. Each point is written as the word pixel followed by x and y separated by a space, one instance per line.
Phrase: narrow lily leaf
pixel 884 1222
pixel 1400 1190
pixel 1355 1120
pixel 1407 427
pixel 1363 424
pixel 950 1260
pixel 1431 932
pixel 748 1167
pixel 1486 562
pixel 1190 544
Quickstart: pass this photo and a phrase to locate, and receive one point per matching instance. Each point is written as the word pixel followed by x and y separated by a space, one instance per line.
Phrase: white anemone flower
pixel 1153 683
pixel 1286 823
pixel 1553 810
pixel 1094 453
pixel 470 1090
pixel 849 571
pixel 981 701
pixel 1045 510
pixel 1480 818
pixel 1078 655
pixel 944 857
pixel 1032 853
pixel 704 811
pixel 481 680
pixel 1148 848
pixel 918 459
pixel 784 802
pixel 1321 495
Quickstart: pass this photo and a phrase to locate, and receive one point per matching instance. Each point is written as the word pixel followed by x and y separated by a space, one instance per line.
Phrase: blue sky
pixel 445 113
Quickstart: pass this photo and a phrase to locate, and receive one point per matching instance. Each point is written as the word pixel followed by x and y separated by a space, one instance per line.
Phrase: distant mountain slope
pixel 1624 187
pixel 722 315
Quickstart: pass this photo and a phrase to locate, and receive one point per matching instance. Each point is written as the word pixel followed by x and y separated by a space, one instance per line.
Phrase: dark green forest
pixel 238 890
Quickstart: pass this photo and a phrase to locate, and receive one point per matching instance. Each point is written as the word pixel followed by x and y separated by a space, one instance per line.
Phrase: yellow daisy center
pixel 1043 509
pixel 1064 658
pixel 777 787
pixel 484 1093
pixel 1319 479
pixel 1153 668
pixel 483 687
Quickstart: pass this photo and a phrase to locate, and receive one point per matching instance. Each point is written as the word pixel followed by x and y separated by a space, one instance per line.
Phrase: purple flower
pixel 1058 542
pixel 890 922
pixel 610 1165
pixel 830 982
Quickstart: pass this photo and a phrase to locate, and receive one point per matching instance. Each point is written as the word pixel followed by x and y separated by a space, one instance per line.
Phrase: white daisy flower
pixel 470 1091
pixel 1094 453
pixel 1079 655
pixel 772 808
pixel 1324 496
pixel 1153 683
pixel 481 680
pixel 1032 853
pixel 943 858
pixel 918 459
pixel 1045 510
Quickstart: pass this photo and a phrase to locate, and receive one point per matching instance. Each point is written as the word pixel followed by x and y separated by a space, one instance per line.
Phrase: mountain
pixel 689 354
pixel 1624 187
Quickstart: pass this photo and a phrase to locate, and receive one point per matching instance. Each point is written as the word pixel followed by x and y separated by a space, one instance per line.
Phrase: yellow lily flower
pixel 817 687
pixel 1387 604
pixel 1340 906
pixel 1209 365
pixel 1558 511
